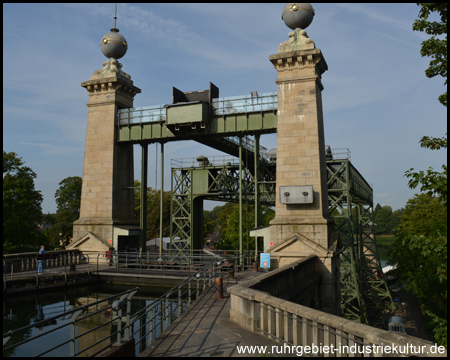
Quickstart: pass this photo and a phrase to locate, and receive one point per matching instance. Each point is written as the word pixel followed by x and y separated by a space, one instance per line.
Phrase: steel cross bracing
pixel 223 125
pixel 217 178
pixel 363 289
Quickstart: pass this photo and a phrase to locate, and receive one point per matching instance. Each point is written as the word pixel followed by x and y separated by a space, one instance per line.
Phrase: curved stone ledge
pixel 258 310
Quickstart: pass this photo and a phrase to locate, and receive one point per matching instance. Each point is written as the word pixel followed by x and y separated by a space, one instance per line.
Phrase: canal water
pixel 383 254
pixel 25 310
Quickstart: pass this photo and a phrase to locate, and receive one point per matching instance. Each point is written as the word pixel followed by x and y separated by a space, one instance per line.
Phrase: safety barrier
pixel 167 263
pixel 64 265
pixel 137 327
pixel 114 304
pixel 15 263
pixel 161 310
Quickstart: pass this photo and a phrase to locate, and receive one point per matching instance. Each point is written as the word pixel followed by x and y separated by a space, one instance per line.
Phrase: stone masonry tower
pixel 302 225
pixel 107 201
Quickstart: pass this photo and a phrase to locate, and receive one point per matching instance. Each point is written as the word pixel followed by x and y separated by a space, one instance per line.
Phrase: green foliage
pixel 22 210
pixel 421 248
pixel 68 199
pixel 436 46
pixel 420 252
pixel 227 217
pixel 432 182
pixel 383 219
pixel 153 210
pixel 386 220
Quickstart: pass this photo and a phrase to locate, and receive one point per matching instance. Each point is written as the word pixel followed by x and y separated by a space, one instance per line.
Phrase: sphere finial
pixel 113 44
pixel 298 15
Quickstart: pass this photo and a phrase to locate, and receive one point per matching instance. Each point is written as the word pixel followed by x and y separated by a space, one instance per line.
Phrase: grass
pixel 385 240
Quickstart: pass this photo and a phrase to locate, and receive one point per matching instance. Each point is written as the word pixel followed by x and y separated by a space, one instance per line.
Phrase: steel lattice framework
pixel 216 180
pixel 227 124
pixel 350 197
pixel 363 288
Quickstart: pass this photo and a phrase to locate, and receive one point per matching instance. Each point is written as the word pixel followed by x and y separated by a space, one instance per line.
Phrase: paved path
pixel 206 330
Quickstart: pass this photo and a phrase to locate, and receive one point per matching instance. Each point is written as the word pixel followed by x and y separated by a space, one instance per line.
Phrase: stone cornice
pixel 299 59
pixel 111 85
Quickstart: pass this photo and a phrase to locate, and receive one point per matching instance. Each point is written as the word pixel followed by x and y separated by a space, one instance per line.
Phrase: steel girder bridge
pixel 227 124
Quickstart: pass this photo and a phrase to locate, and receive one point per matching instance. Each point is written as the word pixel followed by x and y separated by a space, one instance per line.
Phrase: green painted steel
pixel 264 122
pixel 363 289
pixel 188 114
pixel 143 197
pixel 211 124
pixel 253 180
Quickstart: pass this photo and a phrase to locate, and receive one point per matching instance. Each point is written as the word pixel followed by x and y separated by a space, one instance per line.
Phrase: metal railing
pixel 161 311
pixel 220 106
pixel 168 263
pixel 341 154
pixel 61 264
pixel 141 115
pixel 142 325
pixel 21 262
pixel 220 160
pixel 245 103
pixel 105 305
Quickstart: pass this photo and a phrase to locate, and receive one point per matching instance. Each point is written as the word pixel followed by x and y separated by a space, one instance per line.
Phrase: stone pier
pixel 302 227
pixel 107 201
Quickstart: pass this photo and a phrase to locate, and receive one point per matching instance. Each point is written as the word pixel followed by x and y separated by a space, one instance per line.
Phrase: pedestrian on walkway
pixel 41 261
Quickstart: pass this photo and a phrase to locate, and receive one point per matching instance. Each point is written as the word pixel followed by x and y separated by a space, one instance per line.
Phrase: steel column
pixel 143 198
pixel 240 200
pixel 161 202
pixel 256 184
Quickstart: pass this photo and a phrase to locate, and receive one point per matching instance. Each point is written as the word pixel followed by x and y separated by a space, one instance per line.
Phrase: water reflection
pixel 22 311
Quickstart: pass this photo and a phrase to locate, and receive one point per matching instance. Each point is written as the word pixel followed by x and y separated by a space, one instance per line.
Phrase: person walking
pixel 41 261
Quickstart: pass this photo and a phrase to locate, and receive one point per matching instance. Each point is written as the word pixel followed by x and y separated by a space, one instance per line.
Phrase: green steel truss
pixel 217 180
pixel 363 289
pixel 227 126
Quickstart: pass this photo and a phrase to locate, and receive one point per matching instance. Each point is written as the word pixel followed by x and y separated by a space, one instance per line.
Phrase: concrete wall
pixel 256 309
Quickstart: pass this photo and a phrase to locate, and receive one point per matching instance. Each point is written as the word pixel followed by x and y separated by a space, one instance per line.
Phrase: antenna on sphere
pixel 115 17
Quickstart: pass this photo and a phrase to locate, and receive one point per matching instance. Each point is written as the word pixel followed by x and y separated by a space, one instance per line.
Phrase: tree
pixel 433 182
pixel 230 229
pixel 396 216
pixel 153 210
pixel 383 219
pixel 376 210
pixel 434 47
pixel 420 252
pixel 22 210
pixel 227 217
pixel 68 200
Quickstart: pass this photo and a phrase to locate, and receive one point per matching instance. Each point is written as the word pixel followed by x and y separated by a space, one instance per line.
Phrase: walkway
pixel 206 330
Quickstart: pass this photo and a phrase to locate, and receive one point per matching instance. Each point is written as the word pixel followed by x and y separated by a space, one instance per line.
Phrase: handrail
pixel 220 106
pixel 125 295
pixel 158 310
pixel 63 263
pixel 18 263
pixel 157 314
pixel 146 262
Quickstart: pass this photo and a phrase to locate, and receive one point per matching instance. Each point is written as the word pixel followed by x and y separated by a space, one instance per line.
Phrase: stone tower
pixel 107 203
pixel 302 225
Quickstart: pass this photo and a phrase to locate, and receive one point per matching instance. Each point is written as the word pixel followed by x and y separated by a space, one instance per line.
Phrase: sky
pixel 377 101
